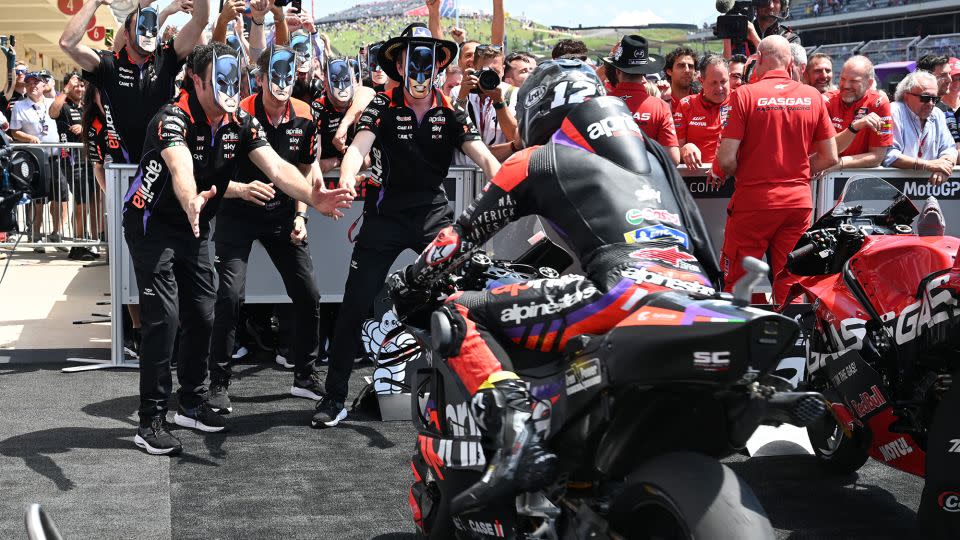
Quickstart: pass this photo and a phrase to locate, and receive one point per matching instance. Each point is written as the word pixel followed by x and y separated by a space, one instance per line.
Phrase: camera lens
pixel 488 79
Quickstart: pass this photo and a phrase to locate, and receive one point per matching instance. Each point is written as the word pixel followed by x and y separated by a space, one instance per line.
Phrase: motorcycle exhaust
pixel 797 408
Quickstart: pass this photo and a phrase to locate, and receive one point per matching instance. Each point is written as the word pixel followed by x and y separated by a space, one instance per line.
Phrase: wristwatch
pixel 497 105
pixel 304 216
pixel 853 129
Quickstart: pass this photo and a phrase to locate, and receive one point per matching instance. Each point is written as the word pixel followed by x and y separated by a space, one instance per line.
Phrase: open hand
pixel 329 201
pixel 194 207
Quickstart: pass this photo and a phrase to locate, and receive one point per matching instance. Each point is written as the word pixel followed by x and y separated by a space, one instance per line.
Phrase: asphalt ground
pixel 66 441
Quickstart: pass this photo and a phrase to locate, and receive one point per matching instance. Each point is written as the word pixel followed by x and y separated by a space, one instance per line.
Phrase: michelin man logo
pixel 374 333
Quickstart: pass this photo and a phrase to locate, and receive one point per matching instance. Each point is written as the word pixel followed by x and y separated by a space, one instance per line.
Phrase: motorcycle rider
pixel 589 170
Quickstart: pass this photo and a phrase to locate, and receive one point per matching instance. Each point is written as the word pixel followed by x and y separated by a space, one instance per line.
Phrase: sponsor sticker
pixel 895 449
pixel 868 403
pixel 636 216
pixel 582 375
pixel 656 232
pixel 712 361
pixel 949 501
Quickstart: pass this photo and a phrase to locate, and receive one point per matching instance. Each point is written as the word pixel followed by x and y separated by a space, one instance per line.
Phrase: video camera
pixel 732 24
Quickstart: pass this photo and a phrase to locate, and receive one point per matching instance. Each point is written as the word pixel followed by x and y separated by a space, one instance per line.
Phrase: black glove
pixel 406 298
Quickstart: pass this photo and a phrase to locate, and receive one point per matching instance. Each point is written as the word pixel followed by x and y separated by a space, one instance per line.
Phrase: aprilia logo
pixel 613 126
pixel 896 449
pixel 869 402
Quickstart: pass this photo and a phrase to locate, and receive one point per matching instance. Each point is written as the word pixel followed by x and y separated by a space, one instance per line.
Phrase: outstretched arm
pixel 498 26
pixel 192 32
pixel 84 56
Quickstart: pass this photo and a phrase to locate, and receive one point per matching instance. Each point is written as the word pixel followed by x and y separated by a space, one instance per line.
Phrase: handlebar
pixel 801 253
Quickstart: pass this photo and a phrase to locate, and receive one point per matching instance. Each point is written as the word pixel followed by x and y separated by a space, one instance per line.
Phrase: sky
pixel 562 12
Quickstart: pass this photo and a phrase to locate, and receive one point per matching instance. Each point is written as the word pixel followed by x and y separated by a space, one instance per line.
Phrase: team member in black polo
pixel 278 222
pixel 340 94
pixel 139 79
pixel 191 154
pixel 413 133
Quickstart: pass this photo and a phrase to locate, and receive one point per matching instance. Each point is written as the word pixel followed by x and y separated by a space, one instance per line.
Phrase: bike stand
pixel 95 364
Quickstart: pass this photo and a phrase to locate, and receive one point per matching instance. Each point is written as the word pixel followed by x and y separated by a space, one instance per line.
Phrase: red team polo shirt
pixel 842 115
pixel 651 114
pixel 777 122
pixel 701 122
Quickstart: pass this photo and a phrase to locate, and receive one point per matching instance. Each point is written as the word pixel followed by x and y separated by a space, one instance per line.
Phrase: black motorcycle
pixel 638 416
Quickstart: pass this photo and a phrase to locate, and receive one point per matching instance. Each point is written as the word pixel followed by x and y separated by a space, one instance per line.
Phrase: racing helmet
pixel 549 94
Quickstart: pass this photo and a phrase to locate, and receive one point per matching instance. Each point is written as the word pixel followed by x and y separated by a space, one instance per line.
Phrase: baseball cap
pixel 33 75
pixel 954 65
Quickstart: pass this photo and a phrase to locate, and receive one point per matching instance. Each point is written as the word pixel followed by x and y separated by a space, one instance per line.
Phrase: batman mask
pixel 340 80
pixel 283 72
pixel 300 44
pixel 225 75
pixel 147 29
pixel 420 67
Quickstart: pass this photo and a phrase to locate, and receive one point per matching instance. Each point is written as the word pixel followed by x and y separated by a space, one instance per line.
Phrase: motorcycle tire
pixel 836 453
pixel 689 496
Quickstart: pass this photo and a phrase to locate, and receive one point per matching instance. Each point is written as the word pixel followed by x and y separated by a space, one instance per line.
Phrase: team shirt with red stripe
pixel 701 122
pixel 651 114
pixel 777 121
pixel 842 115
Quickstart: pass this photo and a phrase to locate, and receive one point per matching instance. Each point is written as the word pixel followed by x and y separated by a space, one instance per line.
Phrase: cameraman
pixel 490 102
pixel 767 23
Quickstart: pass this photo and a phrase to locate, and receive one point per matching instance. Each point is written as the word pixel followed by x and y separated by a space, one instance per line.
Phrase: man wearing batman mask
pixel 135 82
pixel 306 87
pixel 193 149
pixel 413 132
pixel 340 95
pixel 278 222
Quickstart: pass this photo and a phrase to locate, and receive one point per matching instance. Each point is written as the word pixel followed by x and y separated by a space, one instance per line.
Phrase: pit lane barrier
pixel 331 250
pixel 66 179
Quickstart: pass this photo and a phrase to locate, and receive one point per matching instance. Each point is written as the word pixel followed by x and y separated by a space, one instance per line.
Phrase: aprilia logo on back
pixel 613 126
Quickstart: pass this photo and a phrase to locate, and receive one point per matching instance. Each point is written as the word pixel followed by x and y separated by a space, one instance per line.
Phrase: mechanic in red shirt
pixel 778 134
pixel 860 116
pixel 702 117
pixel 626 69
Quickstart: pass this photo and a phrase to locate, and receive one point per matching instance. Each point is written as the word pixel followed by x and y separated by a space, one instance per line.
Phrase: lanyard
pixel 922 137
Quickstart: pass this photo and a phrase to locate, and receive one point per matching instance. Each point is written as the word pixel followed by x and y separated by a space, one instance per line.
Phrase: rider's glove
pixel 405 297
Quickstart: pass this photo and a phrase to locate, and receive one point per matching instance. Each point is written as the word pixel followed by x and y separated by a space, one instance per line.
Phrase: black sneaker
pixel 219 398
pixel 157 440
pixel 201 418
pixel 311 388
pixel 329 413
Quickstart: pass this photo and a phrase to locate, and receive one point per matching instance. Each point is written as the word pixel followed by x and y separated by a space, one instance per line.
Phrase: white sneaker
pixel 283 361
pixel 241 352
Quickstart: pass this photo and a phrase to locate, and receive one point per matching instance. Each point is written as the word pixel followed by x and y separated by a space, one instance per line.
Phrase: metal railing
pixel 65 204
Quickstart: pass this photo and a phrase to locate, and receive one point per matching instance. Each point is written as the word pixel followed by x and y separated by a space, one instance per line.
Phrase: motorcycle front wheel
pixel 683 495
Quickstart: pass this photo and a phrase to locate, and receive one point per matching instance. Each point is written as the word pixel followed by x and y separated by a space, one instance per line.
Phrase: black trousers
pixel 175 279
pixel 381 240
pixel 234 238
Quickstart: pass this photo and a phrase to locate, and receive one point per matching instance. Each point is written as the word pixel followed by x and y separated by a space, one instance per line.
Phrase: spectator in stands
pixel 737 67
pixel 940 68
pixel 492 111
pixel 702 117
pixel 921 139
pixel 681 70
pixel 626 69
pixel 17 90
pixel 860 116
pixel 569 48
pixel 519 66
pixel 772 151
pixel 819 73
pixel 30 123
pixel 67 110
pixel 766 24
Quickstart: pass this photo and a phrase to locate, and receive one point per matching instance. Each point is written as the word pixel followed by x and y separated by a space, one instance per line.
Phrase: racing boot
pixel 504 412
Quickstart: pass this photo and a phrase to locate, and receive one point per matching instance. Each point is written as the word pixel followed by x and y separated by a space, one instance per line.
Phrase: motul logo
pixel 869 402
pixel 896 449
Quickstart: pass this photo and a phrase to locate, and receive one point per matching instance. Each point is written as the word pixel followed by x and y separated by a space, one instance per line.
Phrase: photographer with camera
pixel 17 90
pixel 490 102
pixel 626 69
pixel 741 35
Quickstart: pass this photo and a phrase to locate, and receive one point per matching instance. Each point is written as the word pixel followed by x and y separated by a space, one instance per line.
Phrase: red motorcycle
pixel 883 343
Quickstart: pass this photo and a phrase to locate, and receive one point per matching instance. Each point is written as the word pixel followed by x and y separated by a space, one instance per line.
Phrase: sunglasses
pixel 21 71
pixel 924 98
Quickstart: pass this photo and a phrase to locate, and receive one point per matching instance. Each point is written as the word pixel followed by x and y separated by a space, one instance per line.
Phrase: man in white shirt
pixel 30 123
pixel 921 138
pixel 493 111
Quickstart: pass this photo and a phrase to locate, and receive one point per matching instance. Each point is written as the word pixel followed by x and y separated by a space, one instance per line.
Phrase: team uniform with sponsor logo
pixel 701 122
pixel 132 94
pixel 328 121
pixel 83 185
pixel 410 160
pixel 777 122
pixel 624 210
pixel 240 222
pixel 652 114
pixel 173 268
pixel 842 115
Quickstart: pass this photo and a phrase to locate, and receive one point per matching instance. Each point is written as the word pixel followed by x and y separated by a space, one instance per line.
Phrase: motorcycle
pixel 638 416
pixel 882 343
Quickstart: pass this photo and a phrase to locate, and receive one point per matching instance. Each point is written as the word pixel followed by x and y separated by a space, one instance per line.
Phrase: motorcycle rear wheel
pixel 837 453
pixel 683 495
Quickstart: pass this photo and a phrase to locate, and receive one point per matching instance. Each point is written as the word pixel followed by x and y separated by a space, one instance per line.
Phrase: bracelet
pixel 841 162
pixel 852 129
pixel 303 216
pixel 499 105
pixel 916 165
pixel 254 21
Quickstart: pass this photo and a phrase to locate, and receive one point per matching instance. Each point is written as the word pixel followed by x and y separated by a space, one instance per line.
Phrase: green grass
pixel 536 39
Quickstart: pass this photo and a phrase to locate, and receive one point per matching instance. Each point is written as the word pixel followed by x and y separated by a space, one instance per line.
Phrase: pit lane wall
pixel 331 248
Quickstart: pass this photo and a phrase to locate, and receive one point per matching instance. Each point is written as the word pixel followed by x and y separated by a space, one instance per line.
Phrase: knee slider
pixel 447 331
